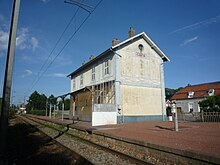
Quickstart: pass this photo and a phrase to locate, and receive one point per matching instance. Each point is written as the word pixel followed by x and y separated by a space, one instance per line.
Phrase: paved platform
pixel 197 137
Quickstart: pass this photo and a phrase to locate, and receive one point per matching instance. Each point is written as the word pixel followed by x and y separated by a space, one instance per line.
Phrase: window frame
pixel 93 74
pixel 190 107
pixel 190 94
pixel 107 67
pixel 74 84
pixel 81 79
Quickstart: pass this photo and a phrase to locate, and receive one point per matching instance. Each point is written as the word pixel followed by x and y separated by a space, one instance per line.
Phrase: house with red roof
pixel 187 99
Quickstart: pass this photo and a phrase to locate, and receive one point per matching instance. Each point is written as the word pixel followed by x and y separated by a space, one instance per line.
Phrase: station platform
pixel 195 137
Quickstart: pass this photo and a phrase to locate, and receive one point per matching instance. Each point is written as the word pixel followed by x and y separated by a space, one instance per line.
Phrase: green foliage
pixel 37 112
pixel 12 113
pixel 211 104
pixel 170 92
pixel 36 101
pixel 52 100
pixel 66 104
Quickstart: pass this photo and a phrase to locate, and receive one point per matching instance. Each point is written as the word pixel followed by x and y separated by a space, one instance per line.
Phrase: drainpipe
pixel 162 90
pixel 117 85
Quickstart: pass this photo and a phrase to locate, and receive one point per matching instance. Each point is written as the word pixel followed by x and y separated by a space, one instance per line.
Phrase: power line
pixel 66 44
pixel 74 15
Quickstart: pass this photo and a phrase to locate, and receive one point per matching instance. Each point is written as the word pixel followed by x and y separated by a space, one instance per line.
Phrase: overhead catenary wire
pixel 59 39
pixel 64 46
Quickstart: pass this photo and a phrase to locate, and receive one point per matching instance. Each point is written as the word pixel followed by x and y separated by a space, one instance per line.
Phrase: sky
pixel 187 31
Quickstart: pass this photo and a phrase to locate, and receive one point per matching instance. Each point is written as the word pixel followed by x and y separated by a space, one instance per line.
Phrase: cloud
pixel 189 40
pixel 60 75
pixel 45 1
pixel 24 41
pixel 34 43
pixel 3 40
pixel 198 24
pixel 27 73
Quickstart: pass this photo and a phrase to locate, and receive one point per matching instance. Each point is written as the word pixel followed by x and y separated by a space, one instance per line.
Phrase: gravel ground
pixel 26 145
pixel 94 154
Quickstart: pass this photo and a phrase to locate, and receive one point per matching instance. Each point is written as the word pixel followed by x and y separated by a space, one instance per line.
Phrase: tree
pixel 66 104
pixel 169 92
pixel 211 104
pixel 36 101
pixel 52 100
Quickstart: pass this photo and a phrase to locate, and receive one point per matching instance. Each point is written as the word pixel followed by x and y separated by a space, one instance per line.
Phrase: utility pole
pixel 62 107
pixel 46 108
pixel 8 82
pixel 50 111
pixel 24 99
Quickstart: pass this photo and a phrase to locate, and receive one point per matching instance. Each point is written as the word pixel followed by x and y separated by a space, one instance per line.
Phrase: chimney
pixel 131 32
pixel 115 41
pixel 84 62
pixel 91 57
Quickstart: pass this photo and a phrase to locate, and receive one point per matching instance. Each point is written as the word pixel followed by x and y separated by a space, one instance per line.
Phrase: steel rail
pixel 79 159
pixel 112 151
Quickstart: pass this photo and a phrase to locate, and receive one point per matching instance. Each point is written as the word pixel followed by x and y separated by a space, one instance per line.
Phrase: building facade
pixel 187 99
pixel 123 84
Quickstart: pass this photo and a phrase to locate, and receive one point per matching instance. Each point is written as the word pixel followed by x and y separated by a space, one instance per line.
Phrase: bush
pixel 37 112
pixel 211 104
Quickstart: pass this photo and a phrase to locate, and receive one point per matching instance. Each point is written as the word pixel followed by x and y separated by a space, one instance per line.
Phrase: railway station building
pixel 125 83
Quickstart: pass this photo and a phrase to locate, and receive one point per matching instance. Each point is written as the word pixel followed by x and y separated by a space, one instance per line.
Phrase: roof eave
pixel 152 44
pixel 88 63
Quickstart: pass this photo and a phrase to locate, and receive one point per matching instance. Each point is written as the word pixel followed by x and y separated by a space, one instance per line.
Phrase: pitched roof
pixel 200 91
pixel 148 40
pixel 113 48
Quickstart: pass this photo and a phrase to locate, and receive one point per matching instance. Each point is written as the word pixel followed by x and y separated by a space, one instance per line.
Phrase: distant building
pixel 22 108
pixel 187 99
pixel 125 83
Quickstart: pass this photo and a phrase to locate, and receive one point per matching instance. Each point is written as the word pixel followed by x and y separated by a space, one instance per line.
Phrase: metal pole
pixel 62 109
pixel 46 108
pixel 54 107
pixel 176 122
pixel 8 81
pixel 174 111
pixel 50 111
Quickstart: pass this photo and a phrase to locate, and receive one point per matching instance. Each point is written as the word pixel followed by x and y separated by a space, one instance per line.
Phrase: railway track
pixel 32 146
pixel 92 151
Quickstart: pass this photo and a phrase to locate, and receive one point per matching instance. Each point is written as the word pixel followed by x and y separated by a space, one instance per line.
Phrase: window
pixel 81 79
pixel 211 92
pixel 190 106
pixel 140 47
pixel 106 68
pixel 93 74
pixel 190 94
pixel 74 84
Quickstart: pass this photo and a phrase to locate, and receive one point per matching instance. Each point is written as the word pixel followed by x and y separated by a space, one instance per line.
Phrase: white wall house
pixel 187 99
pixel 123 84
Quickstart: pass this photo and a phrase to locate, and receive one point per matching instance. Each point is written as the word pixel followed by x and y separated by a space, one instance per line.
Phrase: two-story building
pixel 187 99
pixel 125 83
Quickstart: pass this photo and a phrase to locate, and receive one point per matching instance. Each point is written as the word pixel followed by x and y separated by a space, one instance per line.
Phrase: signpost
pixel 174 112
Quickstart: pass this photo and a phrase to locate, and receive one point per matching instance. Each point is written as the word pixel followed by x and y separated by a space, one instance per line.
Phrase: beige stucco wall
pixel 140 68
pixel 141 100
